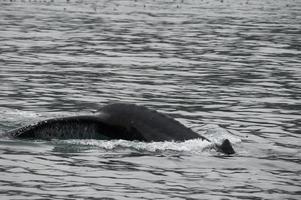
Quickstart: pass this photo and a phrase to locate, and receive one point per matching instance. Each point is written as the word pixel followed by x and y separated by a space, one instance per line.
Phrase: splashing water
pixel 215 134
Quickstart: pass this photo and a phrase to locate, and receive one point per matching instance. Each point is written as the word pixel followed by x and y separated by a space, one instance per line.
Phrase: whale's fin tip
pixel 226 147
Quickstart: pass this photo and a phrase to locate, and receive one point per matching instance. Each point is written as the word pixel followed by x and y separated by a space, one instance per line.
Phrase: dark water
pixel 231 68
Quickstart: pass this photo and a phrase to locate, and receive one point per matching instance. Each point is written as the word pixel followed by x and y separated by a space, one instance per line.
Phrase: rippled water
pixel 230 68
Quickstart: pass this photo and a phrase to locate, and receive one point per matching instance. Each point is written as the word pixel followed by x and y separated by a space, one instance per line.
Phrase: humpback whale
pixel 114 121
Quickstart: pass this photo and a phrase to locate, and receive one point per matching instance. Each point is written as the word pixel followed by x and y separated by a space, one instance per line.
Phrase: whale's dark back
pixel 114 121
pixel 149 124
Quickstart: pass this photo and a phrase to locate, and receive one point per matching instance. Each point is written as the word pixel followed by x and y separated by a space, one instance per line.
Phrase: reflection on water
pixel 231 63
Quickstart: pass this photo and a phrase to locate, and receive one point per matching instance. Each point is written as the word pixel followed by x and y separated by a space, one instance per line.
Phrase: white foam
pixel 214 133
pixel 195 145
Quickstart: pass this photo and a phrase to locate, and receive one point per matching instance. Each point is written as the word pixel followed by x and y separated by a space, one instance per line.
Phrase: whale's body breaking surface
pixel 114 121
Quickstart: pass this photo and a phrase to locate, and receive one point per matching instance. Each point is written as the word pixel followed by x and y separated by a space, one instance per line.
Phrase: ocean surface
pixel 226 69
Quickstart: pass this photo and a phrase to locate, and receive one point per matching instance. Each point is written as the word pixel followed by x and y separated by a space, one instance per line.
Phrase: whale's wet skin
pixel 115 121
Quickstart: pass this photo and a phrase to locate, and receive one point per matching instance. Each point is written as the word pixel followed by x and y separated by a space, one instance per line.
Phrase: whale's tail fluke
pixel 225 147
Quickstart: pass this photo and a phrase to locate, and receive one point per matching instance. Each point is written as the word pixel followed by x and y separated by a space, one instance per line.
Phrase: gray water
pixel 228 68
